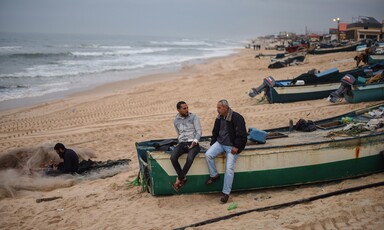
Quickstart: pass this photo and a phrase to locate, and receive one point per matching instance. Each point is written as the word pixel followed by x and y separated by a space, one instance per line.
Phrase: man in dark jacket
pixel 70 162
pixel 229 135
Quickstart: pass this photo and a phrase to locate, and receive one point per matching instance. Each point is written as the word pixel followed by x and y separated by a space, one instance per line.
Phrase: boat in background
pixel 374 59
pixel 296 48
pixel 287 60
pixel 310 85
pixel 289 157
pixel 360 48
pixel 344 48
pixel 359 90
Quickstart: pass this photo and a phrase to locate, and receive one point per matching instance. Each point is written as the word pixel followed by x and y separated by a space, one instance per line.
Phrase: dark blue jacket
pixel 236 130
pixel 71 162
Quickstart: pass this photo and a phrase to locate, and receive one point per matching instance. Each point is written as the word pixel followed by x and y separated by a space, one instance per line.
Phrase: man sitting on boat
pixel 188 131
pixel 229 135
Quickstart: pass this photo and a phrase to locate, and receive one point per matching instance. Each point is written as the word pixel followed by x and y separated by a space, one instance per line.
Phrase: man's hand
pixel 193 144
pixel 234 150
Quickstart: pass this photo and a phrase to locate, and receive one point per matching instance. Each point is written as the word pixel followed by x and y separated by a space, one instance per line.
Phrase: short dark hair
pixel 178 105
pixel 59 146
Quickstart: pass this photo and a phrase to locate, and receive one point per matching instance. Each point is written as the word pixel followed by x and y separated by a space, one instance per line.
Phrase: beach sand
pixel 108 120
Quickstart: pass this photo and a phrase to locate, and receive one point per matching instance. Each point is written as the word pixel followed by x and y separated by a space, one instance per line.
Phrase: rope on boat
pixel 284 205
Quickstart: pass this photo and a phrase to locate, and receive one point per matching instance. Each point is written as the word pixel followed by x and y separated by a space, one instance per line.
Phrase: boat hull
pixel 277 166
pixel 333 50
pixel 362 93
pixel 374 59
pixel 301 92
pixel 317 87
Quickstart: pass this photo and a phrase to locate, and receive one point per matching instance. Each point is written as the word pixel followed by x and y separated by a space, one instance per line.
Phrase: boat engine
pixel 268 82
pixel 346 85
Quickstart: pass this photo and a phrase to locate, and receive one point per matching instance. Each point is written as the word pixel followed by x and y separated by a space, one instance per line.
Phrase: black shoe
pixel 224 198
pixel 212 179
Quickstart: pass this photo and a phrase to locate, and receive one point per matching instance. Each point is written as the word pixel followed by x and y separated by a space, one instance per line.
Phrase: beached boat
pixel 289 157
pixel 287 60
pixel 374 59
pixel 345 48
pixel 358 90
pixel 296 48
pixel 309 86
pixel 362 47
pixel 361 93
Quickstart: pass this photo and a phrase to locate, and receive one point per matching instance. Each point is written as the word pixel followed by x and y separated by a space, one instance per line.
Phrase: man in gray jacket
pixel 188 131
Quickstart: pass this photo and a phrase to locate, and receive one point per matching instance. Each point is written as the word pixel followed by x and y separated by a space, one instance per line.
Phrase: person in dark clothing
pixel 229 135
pixel 70 162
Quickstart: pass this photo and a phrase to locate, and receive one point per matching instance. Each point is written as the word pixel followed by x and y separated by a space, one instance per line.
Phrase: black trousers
pixel 180 149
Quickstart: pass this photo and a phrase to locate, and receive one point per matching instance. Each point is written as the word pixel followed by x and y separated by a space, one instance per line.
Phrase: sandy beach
pixel 108 120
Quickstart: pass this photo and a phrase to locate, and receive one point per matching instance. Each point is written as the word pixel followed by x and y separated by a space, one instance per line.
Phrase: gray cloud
pixel 217 18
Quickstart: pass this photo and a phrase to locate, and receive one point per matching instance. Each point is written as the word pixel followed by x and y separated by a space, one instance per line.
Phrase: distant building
pixel 364 28
pixel 339 31
pixel 314 37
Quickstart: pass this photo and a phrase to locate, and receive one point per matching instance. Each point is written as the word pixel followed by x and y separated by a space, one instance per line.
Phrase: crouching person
pixel 70 163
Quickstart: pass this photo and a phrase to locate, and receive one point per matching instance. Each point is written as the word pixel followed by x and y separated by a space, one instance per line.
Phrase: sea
pixel 34 65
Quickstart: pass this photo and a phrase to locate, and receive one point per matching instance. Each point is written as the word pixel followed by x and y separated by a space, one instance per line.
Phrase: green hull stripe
pixel 160 180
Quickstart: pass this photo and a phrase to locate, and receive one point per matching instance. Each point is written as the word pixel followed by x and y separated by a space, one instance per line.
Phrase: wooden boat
pixel 361 93
pixel 357 90
pixel 287 158
pixel 296 48
pixel 287 60
pixel 309 86
pixel 374 59
pixel 346 48
pixel 362 47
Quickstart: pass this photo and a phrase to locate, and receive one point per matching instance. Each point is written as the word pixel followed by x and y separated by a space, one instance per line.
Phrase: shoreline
pixel 108 88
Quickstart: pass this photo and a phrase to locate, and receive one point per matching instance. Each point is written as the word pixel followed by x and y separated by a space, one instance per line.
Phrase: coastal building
pixel 339 32
pixel 364 28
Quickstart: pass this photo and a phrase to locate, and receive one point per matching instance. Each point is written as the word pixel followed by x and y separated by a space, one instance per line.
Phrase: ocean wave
pixel 39 55
pixel 28 71
pixel 126 61
pixel 220 49
pixel 144 51
pixel 30 92
pixel 43 72
pixel 7 48
pixel 116 47
pixel 89 45
pixel 12 87
pixel 119 52
pixel 181 43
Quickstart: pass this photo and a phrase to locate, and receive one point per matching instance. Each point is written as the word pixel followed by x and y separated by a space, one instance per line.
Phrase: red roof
pixel 313 35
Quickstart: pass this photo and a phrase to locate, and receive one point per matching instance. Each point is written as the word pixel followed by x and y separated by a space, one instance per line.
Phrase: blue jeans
pixel 210 156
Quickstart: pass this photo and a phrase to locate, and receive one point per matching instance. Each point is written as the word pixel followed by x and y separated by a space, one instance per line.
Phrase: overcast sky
pixel 200 18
